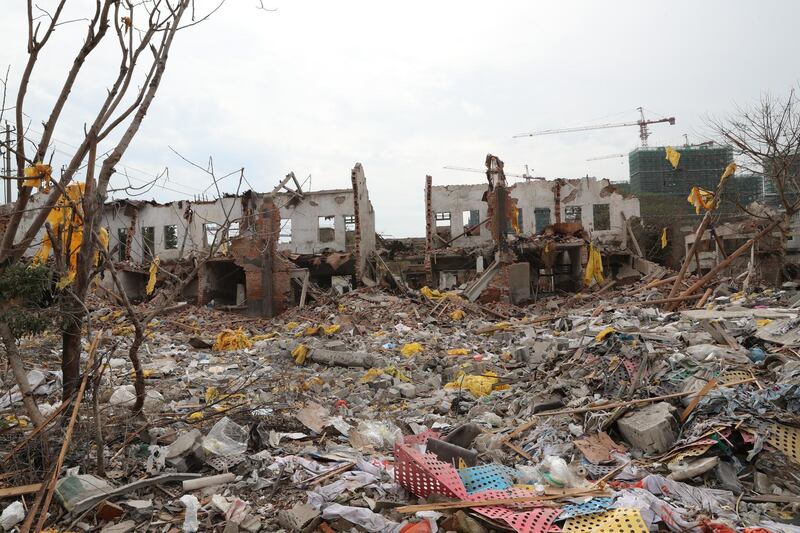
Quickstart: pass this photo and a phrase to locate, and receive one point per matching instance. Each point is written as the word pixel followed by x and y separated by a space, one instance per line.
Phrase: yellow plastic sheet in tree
pixel 673 156
pixel 663 238
pixel 39 176
pixel 701 199
pixel 594 267
pixel 729 170
pixel 151 281
pixel 412 348
pixel 67 223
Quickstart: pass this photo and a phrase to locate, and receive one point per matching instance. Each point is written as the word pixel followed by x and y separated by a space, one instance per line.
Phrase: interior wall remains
pixel 583 193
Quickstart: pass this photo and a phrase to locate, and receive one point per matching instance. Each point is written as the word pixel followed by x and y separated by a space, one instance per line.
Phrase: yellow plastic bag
pixel 457 351
pixel 594 268
pixel 330 330
pixel 392 370
pixel 300 353
pixel 291 325
pixel 411 348
pixel 395 372
pixel 151 281
pixel 310 331
pixel 478 385
pixel 372 374
pixel 431 294
pixel 605 333
pixel 232 340
pixel 458 314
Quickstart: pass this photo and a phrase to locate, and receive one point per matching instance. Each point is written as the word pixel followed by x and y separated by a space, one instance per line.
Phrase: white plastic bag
pixel 379 434
pixel 190 523
pixel 226 438
pixel 12 515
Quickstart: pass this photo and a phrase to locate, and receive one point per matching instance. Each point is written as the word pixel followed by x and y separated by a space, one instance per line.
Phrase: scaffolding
pixel 650 172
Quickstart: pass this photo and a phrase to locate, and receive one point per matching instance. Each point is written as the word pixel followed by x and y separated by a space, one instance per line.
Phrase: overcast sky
pixel 407 88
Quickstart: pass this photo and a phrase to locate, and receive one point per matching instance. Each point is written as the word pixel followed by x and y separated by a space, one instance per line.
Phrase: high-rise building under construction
pixel 699 165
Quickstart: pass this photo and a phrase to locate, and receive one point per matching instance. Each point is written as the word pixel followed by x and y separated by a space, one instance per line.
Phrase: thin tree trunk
pixel 18 369
pixel 71 348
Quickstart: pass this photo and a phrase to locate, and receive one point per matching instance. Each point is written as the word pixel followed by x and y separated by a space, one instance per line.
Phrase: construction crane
pixel 610 156
pixel 525 175
pixel 644 133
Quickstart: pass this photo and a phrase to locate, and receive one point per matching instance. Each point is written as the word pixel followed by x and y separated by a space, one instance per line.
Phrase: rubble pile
pixel 425 413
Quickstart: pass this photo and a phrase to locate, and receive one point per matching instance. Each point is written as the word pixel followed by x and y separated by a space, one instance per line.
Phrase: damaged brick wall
pixel 267 273
pixel 499 289
pixel 502 209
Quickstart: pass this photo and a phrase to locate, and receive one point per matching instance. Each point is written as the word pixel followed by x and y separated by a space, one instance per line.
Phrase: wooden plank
pixel 12 492
pixel 704 299
pixel 304 292
pixel 705 390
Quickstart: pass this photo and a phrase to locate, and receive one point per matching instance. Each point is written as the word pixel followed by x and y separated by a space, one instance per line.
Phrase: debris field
pixel 423 412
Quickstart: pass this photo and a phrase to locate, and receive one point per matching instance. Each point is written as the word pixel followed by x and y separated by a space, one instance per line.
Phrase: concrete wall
pixel 305 220
pixel 583 192
pixel 190 233
pixel 365 242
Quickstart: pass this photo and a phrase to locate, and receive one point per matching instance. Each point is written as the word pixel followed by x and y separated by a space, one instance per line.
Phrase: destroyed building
pixel 322 237
pixel 537 233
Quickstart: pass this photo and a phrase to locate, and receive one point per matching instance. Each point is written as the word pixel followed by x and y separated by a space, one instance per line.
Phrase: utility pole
pixel 7 171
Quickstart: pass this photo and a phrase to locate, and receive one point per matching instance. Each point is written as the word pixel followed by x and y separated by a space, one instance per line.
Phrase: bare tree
pixel 766 141
pixel 142 32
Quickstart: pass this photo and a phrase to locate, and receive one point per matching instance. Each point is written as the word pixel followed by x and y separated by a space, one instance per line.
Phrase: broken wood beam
pixel 704 299
pixel 728 260
pixel 13 492
pixel 698 236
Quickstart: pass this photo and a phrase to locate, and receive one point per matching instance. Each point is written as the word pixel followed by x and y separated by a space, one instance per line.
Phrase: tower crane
pixel 644 133
pixel 525 175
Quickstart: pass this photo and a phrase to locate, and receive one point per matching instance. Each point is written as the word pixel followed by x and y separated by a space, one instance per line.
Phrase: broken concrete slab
pixel 650 429
pixel 302 517
pixel 346 359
